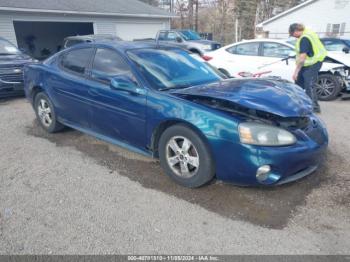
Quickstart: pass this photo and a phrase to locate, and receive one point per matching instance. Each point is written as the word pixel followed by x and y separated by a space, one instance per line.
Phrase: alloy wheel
pixel 182 157
pixel 44 112
pixel 325 88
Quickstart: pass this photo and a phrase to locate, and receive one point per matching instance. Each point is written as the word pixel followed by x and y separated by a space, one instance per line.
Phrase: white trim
pixel 83 13
pixel 285 13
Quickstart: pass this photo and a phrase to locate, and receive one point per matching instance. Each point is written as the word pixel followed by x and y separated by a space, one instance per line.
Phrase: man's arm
pixel 300 64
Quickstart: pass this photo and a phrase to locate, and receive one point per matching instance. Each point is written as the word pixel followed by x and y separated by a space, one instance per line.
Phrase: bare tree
pixel 227 20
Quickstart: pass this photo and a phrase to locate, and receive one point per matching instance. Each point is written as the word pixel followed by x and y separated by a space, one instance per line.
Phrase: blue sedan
pixel 165 102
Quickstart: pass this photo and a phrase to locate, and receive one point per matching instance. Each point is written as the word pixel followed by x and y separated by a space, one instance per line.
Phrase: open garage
pixel 41 39
pixel 39 26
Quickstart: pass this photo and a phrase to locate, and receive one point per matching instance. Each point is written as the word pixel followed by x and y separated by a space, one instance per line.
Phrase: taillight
pixel 207 58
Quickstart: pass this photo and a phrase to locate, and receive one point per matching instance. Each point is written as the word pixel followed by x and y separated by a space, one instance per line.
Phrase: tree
pixel 245 11
pixel 223 17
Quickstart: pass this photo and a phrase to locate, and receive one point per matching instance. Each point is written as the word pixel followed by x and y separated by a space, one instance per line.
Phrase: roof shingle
pixel 124 7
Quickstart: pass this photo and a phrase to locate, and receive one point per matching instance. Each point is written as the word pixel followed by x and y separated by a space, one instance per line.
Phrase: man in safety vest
pixel 310 54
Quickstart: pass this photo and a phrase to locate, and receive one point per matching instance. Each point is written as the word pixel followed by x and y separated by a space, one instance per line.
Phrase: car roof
pixel 281 41
pixel 128 45
pixel 91 37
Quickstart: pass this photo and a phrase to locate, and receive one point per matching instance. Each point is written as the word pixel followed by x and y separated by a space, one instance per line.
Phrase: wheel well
pixel 193 50
pixel 35 91
pixel 325 73
pixel 158 131
pixel 225 72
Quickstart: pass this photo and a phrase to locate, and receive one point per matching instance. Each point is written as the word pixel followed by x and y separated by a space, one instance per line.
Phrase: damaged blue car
pixel 166 103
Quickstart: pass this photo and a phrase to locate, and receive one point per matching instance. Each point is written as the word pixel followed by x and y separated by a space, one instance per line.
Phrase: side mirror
pixel 179 39
pixel 346 50
pixel 123 82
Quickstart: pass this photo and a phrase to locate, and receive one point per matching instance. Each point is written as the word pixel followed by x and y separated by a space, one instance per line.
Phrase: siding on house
pixel 126 28
pixel 322 16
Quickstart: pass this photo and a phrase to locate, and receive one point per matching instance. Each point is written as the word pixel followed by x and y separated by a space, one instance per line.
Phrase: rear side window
pixel 162 36
pixel 77 60
pixel 251 49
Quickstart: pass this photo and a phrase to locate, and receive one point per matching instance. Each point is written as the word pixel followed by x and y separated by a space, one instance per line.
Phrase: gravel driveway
pixel 69 193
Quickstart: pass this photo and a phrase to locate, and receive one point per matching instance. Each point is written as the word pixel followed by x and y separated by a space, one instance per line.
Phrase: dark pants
pixel 307 78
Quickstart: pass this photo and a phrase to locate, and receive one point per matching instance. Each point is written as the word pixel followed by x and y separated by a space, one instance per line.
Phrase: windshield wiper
pixel 6 54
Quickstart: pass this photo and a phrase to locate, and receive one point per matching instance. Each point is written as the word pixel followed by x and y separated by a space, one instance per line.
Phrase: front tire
pixel 185 157
pixel 328 87
pixel 45 113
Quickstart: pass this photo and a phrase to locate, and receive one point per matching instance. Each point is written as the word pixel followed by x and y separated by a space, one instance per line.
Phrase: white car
pixel 265 55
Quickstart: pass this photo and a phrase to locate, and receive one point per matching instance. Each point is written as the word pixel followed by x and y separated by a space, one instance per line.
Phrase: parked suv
pixel 12 61
pixel 73 40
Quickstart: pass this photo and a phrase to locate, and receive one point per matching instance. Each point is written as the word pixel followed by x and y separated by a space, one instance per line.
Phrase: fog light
pixel 262 173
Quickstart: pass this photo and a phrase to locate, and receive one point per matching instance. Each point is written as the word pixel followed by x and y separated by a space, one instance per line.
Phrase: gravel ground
pixel 69 193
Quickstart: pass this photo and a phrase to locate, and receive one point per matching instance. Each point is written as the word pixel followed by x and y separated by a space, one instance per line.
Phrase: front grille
pixel 11 74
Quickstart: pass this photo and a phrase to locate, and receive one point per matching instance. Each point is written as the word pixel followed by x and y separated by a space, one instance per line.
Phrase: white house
pixel 41 25
pixel 326 17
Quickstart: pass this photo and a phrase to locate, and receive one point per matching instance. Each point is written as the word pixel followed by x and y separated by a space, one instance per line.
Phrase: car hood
pixel 339 57
pixel 18 59
pixel 277 97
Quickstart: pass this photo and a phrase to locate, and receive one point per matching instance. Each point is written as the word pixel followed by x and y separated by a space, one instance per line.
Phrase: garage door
pixel 128 31
pixel 42 39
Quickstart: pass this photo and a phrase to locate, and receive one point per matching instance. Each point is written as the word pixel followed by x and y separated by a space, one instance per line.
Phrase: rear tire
pixel 45 113
pixel 185 157
pixel 328 87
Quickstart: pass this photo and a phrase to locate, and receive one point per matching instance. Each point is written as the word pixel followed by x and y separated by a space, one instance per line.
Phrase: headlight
pixel 264 135
pixel 207 47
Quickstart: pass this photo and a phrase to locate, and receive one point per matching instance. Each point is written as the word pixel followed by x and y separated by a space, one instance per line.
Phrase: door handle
pixel 93 92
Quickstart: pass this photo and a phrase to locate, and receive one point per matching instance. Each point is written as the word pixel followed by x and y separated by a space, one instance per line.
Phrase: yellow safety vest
pixel 319 50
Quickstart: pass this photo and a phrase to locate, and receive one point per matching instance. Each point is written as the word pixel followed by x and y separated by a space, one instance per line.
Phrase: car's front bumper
pixel 238 163
pixel 11 89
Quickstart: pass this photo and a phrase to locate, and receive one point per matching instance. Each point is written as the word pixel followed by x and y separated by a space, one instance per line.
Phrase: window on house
pixel 336 29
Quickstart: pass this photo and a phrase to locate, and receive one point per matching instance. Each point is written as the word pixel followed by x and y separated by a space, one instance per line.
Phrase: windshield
pixel 347 42
pixel 190 35
pixel 174 68
pixel 6 48
pixel 291 41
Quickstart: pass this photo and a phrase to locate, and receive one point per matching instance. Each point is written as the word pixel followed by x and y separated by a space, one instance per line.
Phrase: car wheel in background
pixel 185 157
pixel 328 87
pixel 45 113
pixel 225 72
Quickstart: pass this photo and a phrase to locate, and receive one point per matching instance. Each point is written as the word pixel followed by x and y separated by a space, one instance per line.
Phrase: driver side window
pixel 271 49
pixel 108 64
